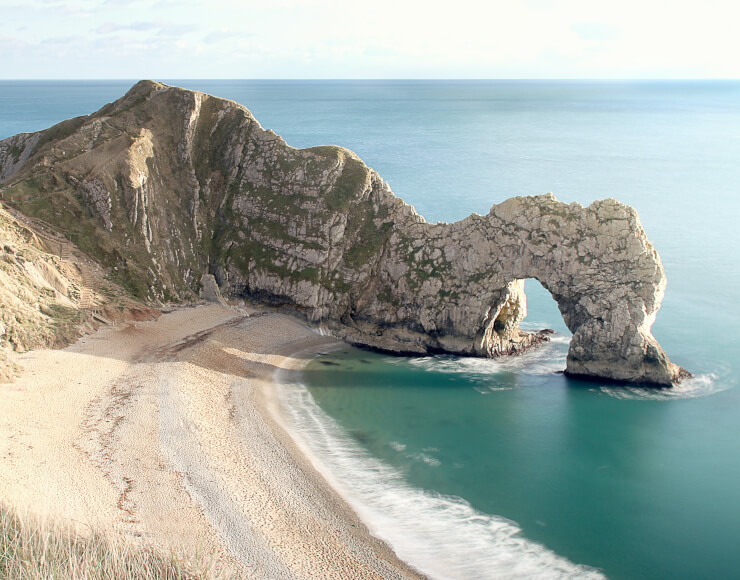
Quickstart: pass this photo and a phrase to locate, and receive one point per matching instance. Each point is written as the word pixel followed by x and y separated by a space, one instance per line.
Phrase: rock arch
pixel 596 262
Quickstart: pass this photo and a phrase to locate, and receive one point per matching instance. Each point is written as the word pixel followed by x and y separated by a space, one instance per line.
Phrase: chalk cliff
pixel 165 185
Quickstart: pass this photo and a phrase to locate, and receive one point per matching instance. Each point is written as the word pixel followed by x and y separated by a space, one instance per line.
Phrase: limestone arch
pixel 597 264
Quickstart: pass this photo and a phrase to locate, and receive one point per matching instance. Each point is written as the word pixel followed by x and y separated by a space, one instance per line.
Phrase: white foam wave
pixel 693 388
pixel 441 536
pixel 534 325
pixel 428 459
pixel 543 360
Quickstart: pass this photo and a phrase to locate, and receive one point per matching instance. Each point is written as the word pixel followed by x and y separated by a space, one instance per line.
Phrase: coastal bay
pixel 369 291
pixel 635 483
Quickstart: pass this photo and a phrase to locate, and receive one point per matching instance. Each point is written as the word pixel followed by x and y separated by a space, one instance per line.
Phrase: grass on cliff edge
pixel 30 550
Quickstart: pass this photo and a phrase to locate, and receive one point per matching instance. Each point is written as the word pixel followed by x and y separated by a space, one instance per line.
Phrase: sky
pixel 180 39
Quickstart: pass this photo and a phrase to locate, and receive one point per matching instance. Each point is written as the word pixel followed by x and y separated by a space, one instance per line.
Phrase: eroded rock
pixel 180 184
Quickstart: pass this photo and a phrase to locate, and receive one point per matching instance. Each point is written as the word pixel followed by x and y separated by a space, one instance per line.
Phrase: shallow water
pixel 476 468
pixel 635 482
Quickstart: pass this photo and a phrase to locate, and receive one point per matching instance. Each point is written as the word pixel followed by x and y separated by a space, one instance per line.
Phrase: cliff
pixel 50 294
pixel 167 184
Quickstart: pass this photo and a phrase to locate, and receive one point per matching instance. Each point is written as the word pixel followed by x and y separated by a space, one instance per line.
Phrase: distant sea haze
pixel 474 468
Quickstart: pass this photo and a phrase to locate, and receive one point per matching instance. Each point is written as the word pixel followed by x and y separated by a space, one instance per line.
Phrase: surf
pixel 441 536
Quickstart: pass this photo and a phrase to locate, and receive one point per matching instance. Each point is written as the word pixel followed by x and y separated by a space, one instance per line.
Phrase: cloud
pixel 158 5
pixel 69 8
pixel 38 13
pixel 163 27
pixel 65 41
pixel 12 43
pixel 177 4
pixel 223 34
pixel 126 45
pixel 334 38
pixel 111 27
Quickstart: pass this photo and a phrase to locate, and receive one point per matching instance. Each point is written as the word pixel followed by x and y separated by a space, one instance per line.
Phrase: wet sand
pixel 170 431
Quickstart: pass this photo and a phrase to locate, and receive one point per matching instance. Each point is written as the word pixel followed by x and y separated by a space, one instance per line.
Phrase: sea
pixel 472 468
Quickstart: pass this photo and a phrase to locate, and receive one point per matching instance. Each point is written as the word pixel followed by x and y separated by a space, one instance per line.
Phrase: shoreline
pixel 170 432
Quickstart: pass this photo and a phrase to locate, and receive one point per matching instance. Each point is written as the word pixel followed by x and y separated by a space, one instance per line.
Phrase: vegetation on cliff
pixel 166 184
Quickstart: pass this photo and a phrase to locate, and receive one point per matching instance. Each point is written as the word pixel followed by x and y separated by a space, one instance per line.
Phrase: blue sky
pixel 167 39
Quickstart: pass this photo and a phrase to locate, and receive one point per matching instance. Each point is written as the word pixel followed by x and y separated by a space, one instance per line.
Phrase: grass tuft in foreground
pixel 30 550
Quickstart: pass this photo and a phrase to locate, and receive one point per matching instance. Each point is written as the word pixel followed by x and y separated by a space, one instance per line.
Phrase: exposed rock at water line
pixel 167 184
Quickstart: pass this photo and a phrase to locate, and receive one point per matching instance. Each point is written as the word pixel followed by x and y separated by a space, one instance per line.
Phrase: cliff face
pixel 49 294
pixel 167 184
pixel 38 292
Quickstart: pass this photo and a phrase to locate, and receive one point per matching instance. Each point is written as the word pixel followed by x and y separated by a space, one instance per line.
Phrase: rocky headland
pixel 166 185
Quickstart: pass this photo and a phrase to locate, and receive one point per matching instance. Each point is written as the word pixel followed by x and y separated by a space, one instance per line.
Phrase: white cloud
pixel 385 38
pixel 11 44
pixel 161 27
pixel 111 27
pixel 225 34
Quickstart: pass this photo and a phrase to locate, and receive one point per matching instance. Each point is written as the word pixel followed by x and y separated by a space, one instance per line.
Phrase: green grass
pixel 63 324
pixel 251 250
pixel 30 550
pixel 132 279
pixel 389 299
pixel 348 185
pixel 16 152
pixel 60 131
pixel 370 241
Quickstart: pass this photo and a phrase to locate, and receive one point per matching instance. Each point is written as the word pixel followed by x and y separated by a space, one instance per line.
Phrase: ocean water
pixel 493 469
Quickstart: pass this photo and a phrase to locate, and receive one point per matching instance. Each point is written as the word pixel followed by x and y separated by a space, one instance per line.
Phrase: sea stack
pixel 166 185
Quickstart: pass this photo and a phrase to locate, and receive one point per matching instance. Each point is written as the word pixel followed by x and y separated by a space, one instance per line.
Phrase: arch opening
pixel 542 309
pixel 521 316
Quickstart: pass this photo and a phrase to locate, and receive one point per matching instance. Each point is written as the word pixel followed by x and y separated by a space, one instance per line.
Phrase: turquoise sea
pixel 475 468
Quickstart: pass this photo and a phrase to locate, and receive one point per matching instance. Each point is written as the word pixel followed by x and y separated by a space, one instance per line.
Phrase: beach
pixel 170 432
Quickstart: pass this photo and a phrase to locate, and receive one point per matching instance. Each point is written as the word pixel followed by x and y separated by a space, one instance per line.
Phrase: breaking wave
pixel 441 536
pixel 546 359
pixel 693 388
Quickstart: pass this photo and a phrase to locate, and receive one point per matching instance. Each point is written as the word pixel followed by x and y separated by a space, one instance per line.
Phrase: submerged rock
pixel 168 184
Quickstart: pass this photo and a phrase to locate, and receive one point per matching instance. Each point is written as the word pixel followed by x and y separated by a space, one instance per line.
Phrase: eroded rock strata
pixel 166 184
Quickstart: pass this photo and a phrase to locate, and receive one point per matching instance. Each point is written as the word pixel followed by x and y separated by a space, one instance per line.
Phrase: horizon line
pixel 536 79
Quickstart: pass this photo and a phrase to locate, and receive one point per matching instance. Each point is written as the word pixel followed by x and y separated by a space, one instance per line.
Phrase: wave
pixel 534 326
pixel 550 358
pixel 693 388
pixel 441 536
pixel 546 359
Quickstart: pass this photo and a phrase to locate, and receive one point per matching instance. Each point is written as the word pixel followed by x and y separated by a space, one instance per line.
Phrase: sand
pixel 170 431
